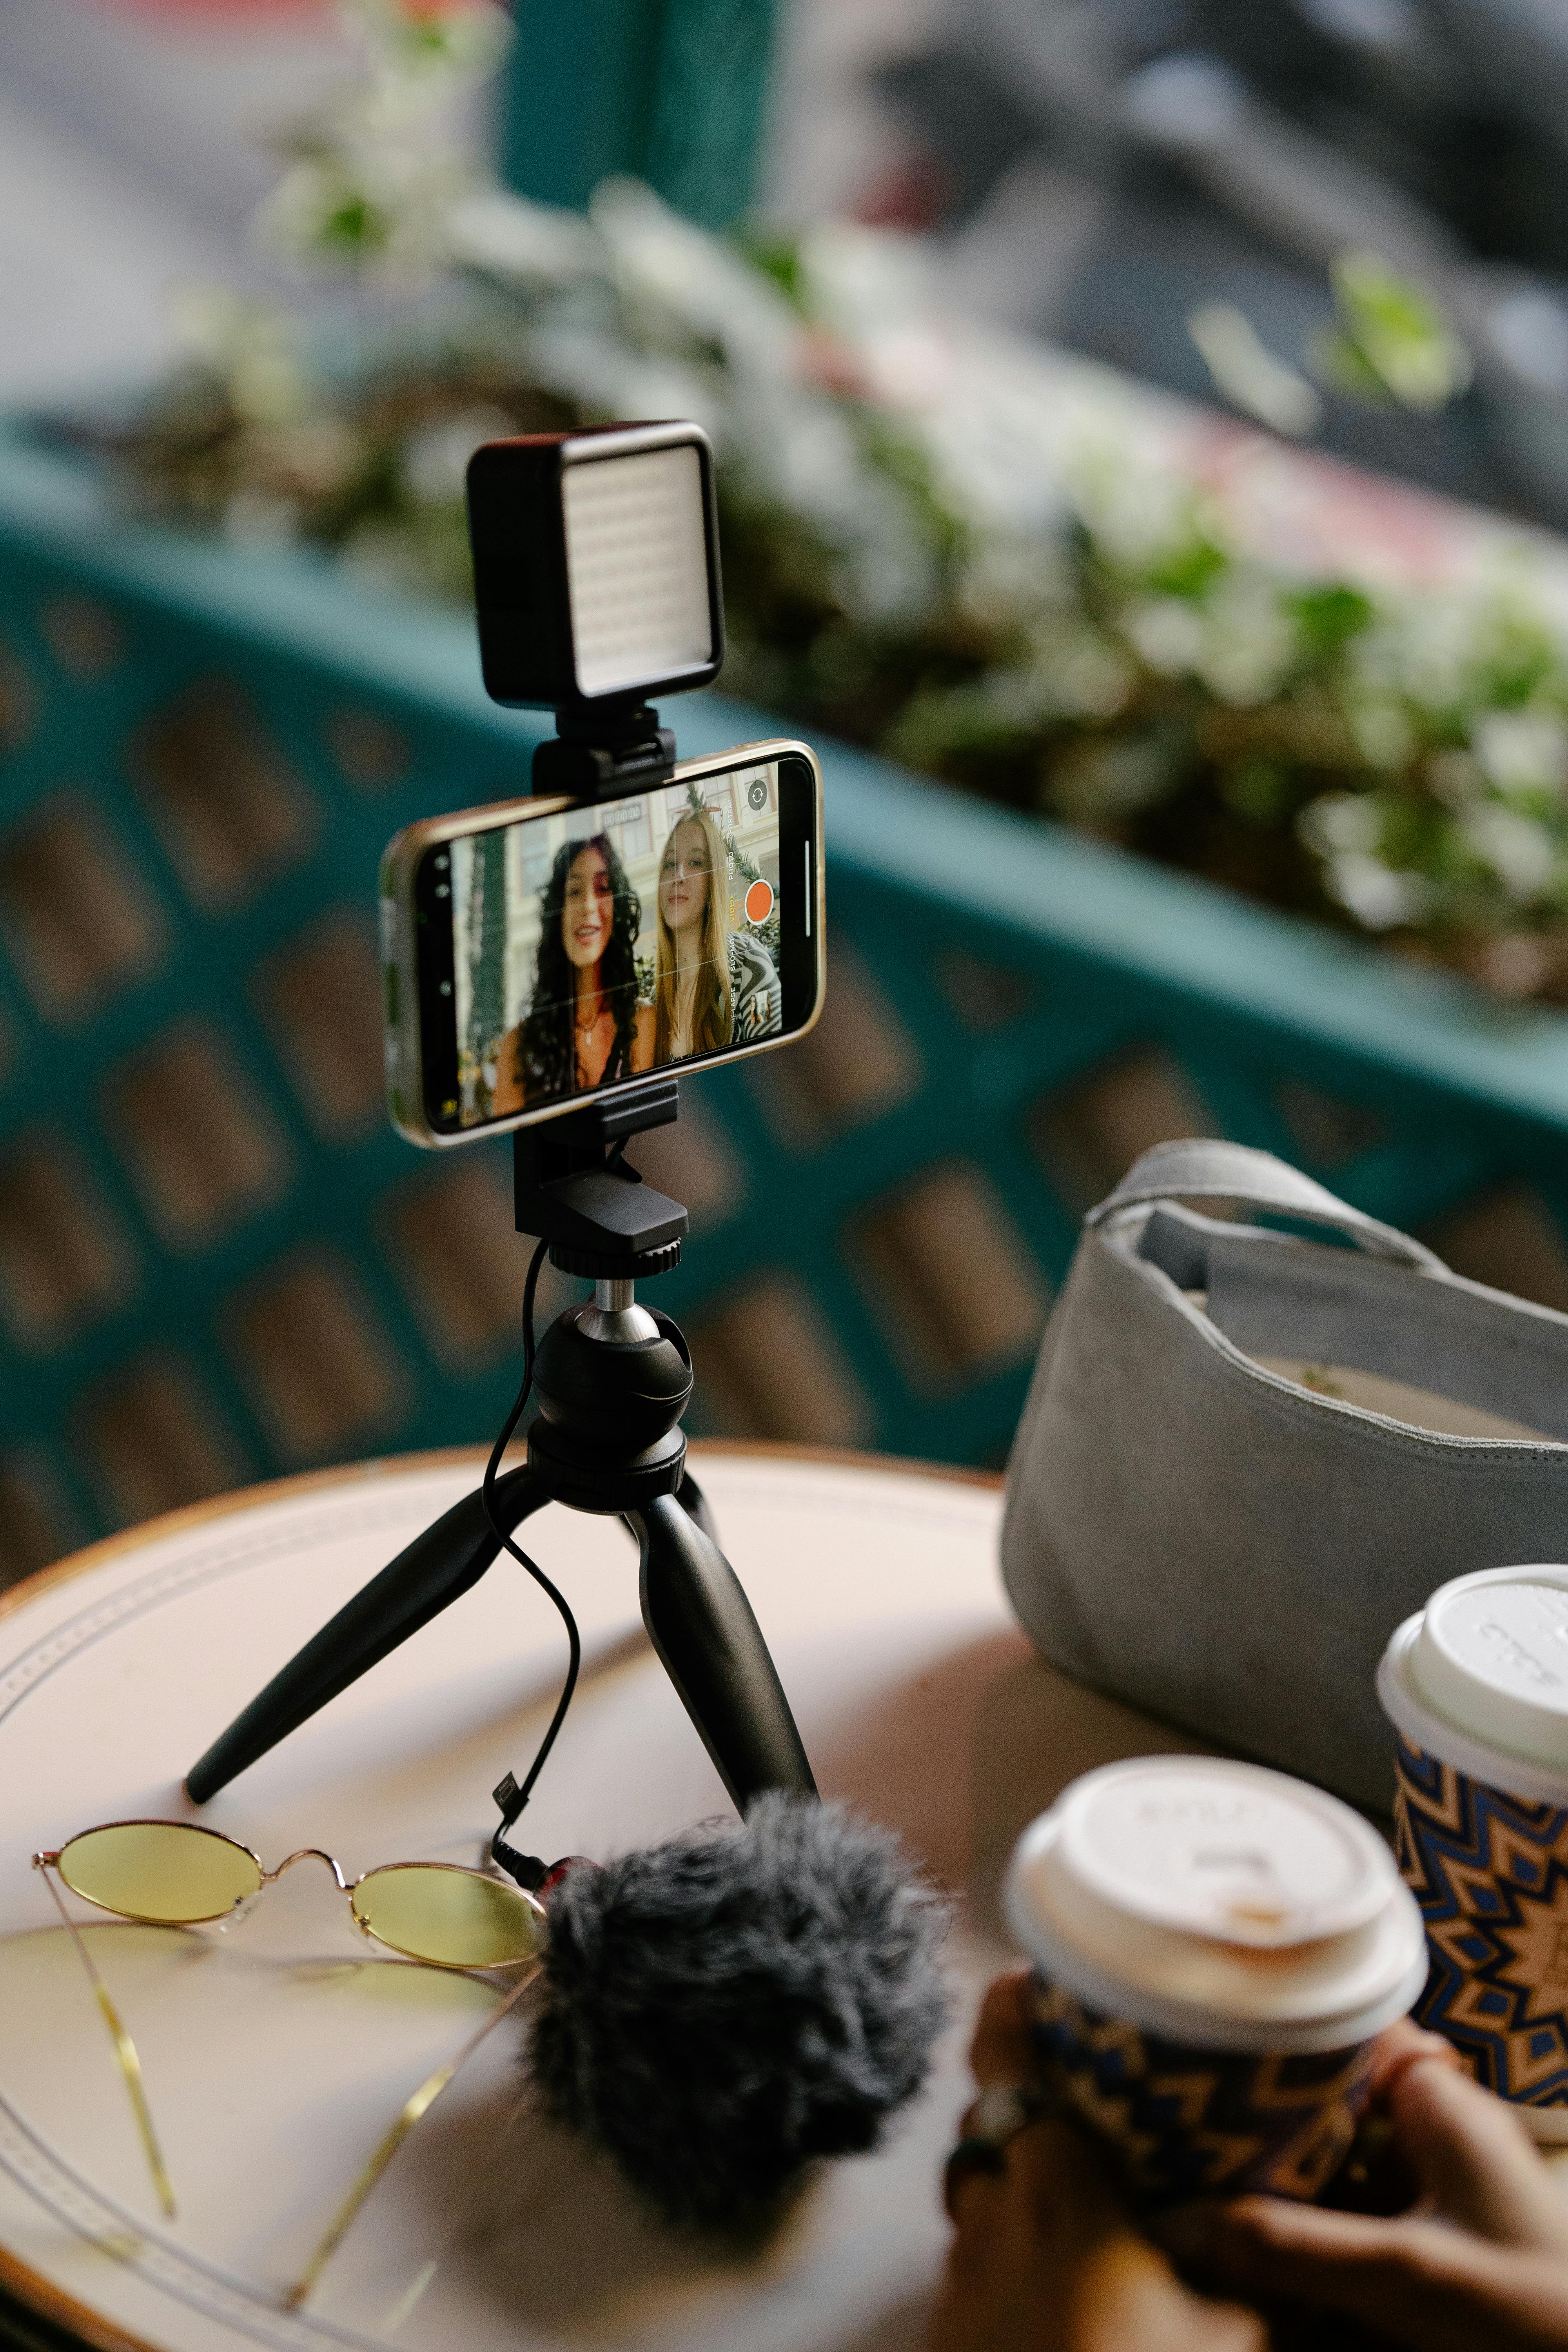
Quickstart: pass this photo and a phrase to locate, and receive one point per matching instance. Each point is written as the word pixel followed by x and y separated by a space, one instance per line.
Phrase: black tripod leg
pixel 436 1568
pixel 696 1505
pixel 712 1647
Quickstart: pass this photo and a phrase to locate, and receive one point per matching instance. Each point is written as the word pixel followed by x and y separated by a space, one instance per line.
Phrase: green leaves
pixel 1393 342
pixel 1329 616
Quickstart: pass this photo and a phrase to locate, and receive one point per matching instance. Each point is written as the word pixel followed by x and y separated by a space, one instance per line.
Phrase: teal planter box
pixel 217 1262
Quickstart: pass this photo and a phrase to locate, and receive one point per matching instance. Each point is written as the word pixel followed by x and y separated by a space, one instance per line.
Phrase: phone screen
pixel 563 952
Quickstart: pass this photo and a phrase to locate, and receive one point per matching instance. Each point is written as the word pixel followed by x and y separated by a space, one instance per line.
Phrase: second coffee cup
pixel 1475 1684
pixel 1216 1946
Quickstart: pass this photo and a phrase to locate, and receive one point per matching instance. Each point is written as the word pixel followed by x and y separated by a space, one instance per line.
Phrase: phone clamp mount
pixel 613 1379
pixel 607 748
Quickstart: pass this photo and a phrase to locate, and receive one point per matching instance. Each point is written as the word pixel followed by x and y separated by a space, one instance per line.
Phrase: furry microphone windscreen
pixel 720 2010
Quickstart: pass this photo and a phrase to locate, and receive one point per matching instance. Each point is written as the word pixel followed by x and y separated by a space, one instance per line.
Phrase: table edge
pixel 50 2304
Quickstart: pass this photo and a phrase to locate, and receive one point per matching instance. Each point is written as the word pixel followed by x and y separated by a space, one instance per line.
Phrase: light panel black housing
pixel 591 549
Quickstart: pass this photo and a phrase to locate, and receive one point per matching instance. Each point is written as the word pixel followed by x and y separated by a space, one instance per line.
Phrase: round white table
pixel 276 2053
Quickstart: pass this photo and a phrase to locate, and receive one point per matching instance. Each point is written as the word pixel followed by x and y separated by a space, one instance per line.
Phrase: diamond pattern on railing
pixel 18 702
pixel 322 1372
pixel 33 1526
pixel 1508 1239
pixel 983 995
pixel 857 1062
pixel 84 635
pixel 951 1273
pixel 229 809
pixel 203 1150
pixel 320 994
pixel 216 1261
pixel 694 1162
pixel 455 1248
pixel 77 918
pixel 1327 1130
pixel 768 1365
pixel 1089 1134
pixel 155 1440
pixel 373 753
pixel 65 1261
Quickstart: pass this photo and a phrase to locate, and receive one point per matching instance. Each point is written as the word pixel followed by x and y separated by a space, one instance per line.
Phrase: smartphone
pixel 542 949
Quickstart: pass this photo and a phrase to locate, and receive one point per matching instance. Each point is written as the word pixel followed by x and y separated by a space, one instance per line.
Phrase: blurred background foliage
pixel 917 558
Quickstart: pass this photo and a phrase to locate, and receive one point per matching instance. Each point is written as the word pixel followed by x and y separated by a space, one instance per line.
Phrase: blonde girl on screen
pixel 714 986
pixel 691 998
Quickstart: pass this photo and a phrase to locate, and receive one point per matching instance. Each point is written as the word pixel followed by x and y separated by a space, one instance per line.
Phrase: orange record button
pixel 758 902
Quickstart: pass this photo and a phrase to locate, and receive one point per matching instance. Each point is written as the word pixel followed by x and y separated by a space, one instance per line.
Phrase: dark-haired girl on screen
pixel 586 1027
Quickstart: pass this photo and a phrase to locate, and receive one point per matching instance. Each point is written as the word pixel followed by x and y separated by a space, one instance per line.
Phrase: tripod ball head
pixel 609 1408
pixel 619 1394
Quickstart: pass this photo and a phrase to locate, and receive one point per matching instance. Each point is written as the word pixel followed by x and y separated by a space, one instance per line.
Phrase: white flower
pixel 1089 678
pixel 1139 513
pixel 531 246
pixel 862 282
pixel 675 276
pixel 1519 749
pixel 426 49
pixel 1117 779
pixel 1008 577
pixel 1520 853
pixel 1248 645
pixel 1168 632
pixel 1348 823
pixel 1426 650
pixel 1377 895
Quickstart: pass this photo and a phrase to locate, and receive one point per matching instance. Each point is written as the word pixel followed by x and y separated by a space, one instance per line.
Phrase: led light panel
pixel 636 567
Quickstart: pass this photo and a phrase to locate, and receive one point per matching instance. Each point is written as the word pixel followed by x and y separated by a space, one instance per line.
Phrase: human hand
pixel 1482 2258
pixel 1046 2257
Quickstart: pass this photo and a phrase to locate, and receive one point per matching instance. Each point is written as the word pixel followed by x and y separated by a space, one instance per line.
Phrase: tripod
pixel 612 1380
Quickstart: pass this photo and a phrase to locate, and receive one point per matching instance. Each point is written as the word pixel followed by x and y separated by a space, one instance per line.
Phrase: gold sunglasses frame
pixel 413 2110
pixel 45 1862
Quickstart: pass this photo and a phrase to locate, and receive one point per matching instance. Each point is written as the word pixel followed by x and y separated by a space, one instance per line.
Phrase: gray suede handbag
pixel 1246 1457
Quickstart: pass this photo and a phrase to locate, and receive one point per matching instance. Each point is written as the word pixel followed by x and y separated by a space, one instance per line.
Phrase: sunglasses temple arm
pixel 437 1569
pixel 124 2051
pixel 423 2100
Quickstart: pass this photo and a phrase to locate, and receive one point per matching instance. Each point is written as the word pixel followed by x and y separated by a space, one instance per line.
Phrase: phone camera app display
pixel 611 940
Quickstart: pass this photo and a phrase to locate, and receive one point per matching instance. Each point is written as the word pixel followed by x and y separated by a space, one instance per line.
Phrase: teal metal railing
pixel 216 1260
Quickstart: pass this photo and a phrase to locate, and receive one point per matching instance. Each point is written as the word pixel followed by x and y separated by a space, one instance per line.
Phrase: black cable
pixel 517 1797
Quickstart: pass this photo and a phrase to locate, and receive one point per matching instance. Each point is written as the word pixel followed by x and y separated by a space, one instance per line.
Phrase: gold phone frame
pixel 399 952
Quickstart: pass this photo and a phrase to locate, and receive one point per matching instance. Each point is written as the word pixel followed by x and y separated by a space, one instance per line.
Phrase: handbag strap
pixel 1203 1170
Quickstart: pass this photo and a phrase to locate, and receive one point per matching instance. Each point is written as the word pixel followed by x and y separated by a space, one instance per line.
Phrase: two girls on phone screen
pixel 588 1024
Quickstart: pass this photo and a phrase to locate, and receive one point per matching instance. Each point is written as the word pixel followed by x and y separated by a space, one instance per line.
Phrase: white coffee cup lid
pixel 1479 1677
pixel 1222 1904
pixel 1223 1849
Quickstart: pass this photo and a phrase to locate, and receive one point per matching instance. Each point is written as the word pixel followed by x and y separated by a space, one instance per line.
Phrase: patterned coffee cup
pixel 1215 1948
pixel 1184 2121
pixel 1476 1686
